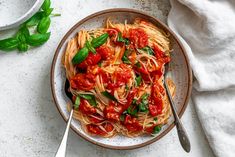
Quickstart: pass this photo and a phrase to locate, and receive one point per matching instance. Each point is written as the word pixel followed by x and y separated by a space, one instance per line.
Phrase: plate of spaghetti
pixel 115 61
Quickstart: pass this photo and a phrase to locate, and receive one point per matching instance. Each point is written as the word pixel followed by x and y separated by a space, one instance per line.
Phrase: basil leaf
pixel 77 102
pixel 46 5
pixel 122 118
pixel 86 96
pixel 108 95
pixel 155 119
pixel 145 96
pixel 125 58
pixel 100 64
pixel 44 25
pixel 149 50
pixel 138 64
pixel 37 39
pixel 121 39
pixel 157 129
pixel 90 98
pixel 131 111
pixel 96 42
pixel 138 80
pixel 93 102
pixel 143 107
pixel 134 101
pixel 80 56
pixel 21 35
pixel 48 12
pixel 90 47
pixel 9 44
pixel 126 87
pixel 23 47
pixel 35 19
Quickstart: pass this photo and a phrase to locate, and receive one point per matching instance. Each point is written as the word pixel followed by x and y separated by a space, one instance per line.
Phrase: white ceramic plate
pixel 181 74
pixel 15 12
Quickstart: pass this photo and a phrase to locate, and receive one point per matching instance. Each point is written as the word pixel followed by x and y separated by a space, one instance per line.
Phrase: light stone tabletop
pixel 30 124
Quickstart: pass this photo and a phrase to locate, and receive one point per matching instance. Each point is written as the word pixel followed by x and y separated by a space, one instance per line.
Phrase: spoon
pixel 62 148
pixel 183 137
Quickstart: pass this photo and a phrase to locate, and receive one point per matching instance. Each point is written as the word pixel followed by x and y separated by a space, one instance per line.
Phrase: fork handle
pixel 62 148
pixel 183 137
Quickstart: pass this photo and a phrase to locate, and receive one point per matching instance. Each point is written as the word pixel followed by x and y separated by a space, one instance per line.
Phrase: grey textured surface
pixel 30 124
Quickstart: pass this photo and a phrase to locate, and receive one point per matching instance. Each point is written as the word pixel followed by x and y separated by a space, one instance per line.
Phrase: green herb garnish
pixel 90 98
pixel 143 106
pixel 157 129
pixel 77 102
pixel 148 50
pixel 108 95
pixel 89 46
pixel 138 80
pixel 23 39
pixel 138 64
pixel 131 111
pixel 125 58
pixel 122 118
pixel 121 39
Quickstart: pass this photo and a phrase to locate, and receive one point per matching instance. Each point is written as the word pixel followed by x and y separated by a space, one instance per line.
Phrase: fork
pixel 182 135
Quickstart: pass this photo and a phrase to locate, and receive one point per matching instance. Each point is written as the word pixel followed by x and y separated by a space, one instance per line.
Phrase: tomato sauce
pixel 138 37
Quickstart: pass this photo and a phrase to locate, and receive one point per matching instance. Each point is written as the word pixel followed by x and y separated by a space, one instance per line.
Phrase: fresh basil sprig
pixel 23 39
pixel 82 54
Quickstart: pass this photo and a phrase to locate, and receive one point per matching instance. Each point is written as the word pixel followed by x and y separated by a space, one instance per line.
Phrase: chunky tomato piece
pixel 156 102
pixel 143 72
pixel 123 75
pixel 95 129
pixel 83 81
pixel 113 116
pixel 155 109
pixel 130 98
pixel 108 127
pixel 104 51
pixel 149 129
pixel 156 74
pixel 160 55
pixel 138 37
pixel 111 113
pixel 86 108
pixel 92 59
pixel 132 124
pixel 113 86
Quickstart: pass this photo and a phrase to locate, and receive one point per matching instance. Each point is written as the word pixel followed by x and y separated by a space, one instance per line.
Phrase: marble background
pixel 30 124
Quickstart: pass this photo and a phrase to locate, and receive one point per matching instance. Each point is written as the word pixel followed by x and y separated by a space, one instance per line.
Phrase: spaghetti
pixel 116 78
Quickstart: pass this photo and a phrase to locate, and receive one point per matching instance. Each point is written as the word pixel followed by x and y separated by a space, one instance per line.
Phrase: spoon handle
pixel 183 137
pixel 62 148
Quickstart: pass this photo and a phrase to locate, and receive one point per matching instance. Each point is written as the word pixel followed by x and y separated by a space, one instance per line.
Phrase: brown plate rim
pixel 163 26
